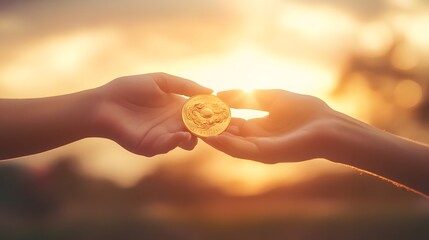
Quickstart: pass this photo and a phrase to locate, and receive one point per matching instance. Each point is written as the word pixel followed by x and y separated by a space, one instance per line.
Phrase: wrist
pixel 399 160
pixel 104 114
pixel 93 102
pixel 349 139
pixel 79 114
pixel 360 145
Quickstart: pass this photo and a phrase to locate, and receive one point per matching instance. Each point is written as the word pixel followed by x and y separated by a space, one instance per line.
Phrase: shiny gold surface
pixel 206 115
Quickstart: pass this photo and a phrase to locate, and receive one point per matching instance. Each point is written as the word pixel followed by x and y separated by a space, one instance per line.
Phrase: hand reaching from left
pixel 142 113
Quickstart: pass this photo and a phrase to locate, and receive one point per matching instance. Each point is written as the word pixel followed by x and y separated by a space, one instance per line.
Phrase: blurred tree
pixel 21 195
pixel 390 90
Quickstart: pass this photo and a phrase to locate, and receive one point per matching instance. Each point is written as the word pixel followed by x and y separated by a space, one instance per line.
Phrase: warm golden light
pixel 299 47
pixel 247 113
pixel 375 39
pixel 404 57
pixel 330 22
pixel 367 59
pixel 408 93
pixel 250 67
pixel 53 60
pixel 403 3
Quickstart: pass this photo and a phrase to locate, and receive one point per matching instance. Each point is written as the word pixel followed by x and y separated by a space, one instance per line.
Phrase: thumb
pixel 173 84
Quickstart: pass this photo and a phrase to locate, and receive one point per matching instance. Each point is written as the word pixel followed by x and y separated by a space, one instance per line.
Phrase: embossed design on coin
pixel 206 115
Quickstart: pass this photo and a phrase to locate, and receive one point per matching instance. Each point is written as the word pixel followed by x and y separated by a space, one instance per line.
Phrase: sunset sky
pixel 57 47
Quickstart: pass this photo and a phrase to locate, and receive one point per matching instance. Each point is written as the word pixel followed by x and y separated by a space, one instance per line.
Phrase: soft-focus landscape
pixel 368 59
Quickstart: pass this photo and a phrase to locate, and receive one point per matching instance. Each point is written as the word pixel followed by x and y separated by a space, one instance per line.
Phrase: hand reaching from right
pixel 301 127
pixel 296 128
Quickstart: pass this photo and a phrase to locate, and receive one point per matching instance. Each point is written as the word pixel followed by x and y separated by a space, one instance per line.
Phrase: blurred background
pixel 367 58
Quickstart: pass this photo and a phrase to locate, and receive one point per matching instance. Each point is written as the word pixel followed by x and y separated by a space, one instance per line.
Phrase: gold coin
pixel 206 115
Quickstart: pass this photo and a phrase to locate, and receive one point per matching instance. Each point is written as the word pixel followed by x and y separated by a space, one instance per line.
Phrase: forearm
pixel 29 126
pixel 396 159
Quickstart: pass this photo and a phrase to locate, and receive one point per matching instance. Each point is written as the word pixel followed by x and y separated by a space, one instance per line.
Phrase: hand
pixel 296 128
pixel 301 127
pixel 142 113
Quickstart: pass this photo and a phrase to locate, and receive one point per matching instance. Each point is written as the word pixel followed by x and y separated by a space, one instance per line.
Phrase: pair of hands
pixel 143 114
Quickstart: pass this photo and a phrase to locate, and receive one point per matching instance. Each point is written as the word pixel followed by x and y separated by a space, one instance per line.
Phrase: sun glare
pixel 247 113
pixel 249 68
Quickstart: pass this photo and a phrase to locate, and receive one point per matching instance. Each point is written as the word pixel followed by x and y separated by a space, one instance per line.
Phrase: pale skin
pixel 141 113
pixel 301 127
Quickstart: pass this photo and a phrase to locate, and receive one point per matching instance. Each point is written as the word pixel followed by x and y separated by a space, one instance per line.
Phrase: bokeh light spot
pixel 403 57
pixel 408 93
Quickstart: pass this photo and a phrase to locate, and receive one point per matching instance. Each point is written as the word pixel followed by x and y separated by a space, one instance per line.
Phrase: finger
pixel 234 146
pixel 237 122
pixel 233 130
pixel 235 125
pixel 168 141
pixel 251 127
pixel 256 127
pixel 189 143
pixel 173 84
